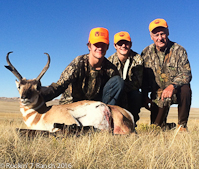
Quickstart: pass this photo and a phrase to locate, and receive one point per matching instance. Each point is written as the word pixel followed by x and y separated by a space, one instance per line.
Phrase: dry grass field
pixel 150 148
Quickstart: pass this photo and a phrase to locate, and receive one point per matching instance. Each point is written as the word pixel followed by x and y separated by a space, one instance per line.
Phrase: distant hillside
pixel 16 99
pixel 9 99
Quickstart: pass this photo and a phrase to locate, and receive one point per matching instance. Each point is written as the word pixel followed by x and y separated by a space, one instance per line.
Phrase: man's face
pixel 98 50
pixel 160 37
pixel 123 47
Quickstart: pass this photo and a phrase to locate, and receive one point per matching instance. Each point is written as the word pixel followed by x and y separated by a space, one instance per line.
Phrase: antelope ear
pixel 17 84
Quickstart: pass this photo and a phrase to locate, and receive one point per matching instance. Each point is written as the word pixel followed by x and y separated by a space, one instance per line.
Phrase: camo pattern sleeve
pixel 134 77
pixel 175 69
pixel 80 81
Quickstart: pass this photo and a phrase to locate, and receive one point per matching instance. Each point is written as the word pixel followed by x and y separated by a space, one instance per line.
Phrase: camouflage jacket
pixel 133 79
pixel 80 81
pixel 175 69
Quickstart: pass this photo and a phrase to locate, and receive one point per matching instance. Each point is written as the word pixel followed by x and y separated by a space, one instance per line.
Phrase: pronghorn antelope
pixel 38 116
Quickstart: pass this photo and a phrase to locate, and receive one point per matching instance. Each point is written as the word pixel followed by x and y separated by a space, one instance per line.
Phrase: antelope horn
pixel 44 69
pixel 12 68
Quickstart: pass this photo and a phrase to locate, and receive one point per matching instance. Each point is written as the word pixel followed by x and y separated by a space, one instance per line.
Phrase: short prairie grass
pixel 150 148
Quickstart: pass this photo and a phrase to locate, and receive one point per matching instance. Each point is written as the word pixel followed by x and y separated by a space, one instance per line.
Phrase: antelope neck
pixel 40 107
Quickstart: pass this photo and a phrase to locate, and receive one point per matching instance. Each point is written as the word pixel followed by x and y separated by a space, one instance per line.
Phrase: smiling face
pixel 123 47
pixel 98 50
pixel 160 37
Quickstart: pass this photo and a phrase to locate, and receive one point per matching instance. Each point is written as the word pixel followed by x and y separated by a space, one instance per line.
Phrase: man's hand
pixel 168 92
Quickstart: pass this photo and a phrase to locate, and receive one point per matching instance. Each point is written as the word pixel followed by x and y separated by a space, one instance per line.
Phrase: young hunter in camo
pixel 130 66
pixel 90 76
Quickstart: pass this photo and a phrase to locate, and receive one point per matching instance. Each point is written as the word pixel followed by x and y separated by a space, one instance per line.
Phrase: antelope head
pixel 29 90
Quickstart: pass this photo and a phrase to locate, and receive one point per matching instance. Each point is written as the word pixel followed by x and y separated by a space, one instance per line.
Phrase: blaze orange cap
pixel 122 36
pixel 157 23
pixel 98 35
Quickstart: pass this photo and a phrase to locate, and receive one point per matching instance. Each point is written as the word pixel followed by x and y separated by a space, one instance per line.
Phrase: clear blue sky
pixel 61 28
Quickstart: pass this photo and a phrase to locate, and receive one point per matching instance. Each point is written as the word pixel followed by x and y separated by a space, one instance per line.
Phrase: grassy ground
pixel 150 148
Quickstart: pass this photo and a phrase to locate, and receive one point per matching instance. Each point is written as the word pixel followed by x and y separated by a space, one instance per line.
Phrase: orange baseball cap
pixel 157 23
pixel 98 35
pixel 122 36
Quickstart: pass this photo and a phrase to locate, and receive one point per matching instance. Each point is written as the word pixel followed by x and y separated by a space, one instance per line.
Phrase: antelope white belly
pixel 95 114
